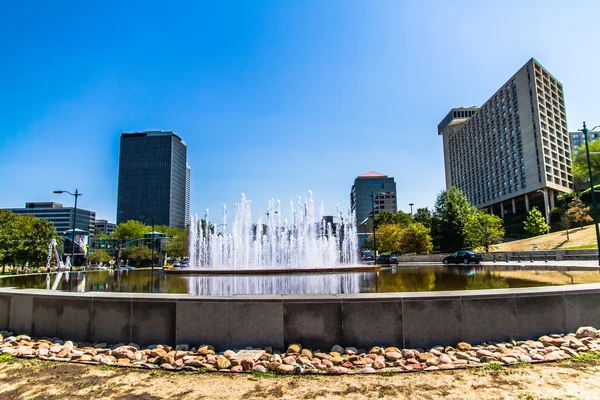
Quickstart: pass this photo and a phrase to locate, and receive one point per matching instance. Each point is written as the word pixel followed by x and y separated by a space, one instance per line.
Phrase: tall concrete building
pixel 513 152
pixel 153 179
pixel 61 217
pixel 383 191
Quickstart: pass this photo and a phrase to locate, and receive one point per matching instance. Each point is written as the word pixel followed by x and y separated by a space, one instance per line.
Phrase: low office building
pixel 513 152
pixel 103 227
pixel 576 139
pixel 61 217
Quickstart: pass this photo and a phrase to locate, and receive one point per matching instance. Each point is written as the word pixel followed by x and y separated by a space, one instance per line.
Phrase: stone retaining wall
pixel 408 320
pixel 538 255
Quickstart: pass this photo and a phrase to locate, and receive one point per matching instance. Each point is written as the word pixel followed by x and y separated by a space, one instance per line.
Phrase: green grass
pixel 592 355
pixel 5 358
pixel 386 373
pixel 267 374
pixel 490 367
pixel 582 247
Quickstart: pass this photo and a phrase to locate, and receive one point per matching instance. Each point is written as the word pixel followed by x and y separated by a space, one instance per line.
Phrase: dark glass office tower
pixel 152 179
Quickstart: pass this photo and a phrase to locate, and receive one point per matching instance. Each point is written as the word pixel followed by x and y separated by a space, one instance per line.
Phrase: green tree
pixel 30 239
pixel 8 236
pixel 484 229
pixel 416 238
pixel 452 212
pixel 535 224
pixel 388 238
pixel 99 257
pixel 580 166
pixel 130 230
pixel 387 218
pixel 139 255
pixel 423 216
pixel 178 245
pixel 578 212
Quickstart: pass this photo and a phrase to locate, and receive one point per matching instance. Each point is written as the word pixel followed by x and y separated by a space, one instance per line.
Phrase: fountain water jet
pixel 305 240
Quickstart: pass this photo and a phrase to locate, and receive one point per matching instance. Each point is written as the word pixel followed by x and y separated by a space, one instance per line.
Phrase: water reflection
pixel 395 279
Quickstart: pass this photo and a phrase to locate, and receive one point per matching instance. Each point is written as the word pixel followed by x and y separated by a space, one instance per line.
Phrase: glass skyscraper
pixel 384 197
pixel 153 179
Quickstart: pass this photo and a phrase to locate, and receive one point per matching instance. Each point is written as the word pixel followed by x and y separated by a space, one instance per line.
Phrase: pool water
pixel 394 279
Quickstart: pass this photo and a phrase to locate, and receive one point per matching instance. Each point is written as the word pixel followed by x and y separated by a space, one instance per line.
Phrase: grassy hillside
pixel 578 239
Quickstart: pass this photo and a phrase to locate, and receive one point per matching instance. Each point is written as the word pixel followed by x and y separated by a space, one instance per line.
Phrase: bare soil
pixel 552 241
pixel 36 379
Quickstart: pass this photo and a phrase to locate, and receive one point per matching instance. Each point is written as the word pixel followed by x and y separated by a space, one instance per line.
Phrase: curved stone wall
pixel 409 320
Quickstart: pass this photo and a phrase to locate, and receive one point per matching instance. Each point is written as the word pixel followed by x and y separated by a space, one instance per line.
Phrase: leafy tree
pixel 139 254
pixel 535 223
pixel 555 216
pixel 178 246
pixel 389 238
pixel 416 238
pixel 452 212
pixel 423 215
pixel 8 235
pixel 580 166
pixel 130 230
pixel 579 212
pixel 99 257
pixel 484 229
pixel 24 239
pixel 388 218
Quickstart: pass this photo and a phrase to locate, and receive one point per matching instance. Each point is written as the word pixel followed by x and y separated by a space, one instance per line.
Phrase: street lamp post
pixel 76 195
pixel 585 131
pixel 411 204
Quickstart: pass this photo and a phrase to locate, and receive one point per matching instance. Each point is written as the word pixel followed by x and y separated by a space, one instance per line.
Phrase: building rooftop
pixel 372 174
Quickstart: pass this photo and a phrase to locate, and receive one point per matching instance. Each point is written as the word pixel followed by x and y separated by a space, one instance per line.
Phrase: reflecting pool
pixel 394 279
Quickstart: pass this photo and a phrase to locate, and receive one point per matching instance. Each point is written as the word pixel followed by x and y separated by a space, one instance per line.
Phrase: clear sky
pixel 273 98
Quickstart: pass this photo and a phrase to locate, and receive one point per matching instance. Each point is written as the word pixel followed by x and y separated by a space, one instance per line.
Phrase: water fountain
pixel 302 240
pixel 260 255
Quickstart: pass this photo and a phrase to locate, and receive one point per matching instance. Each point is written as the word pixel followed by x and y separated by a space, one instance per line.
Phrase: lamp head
pixel 59 191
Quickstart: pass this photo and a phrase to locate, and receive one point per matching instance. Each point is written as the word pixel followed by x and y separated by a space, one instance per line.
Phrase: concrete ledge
pixel 411 320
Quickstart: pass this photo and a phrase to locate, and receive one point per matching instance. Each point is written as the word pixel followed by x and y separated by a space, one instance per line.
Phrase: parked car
pixel 125 267
pixel 367 256
pixel 386 259
pixel 463 257
pixel 184 264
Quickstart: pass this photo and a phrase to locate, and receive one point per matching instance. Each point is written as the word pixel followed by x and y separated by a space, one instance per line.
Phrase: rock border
pixel 297 360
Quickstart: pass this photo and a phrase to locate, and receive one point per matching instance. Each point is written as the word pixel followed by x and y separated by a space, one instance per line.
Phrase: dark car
pixel 367 256
pixel 126 268
pixel 463 257
pixel 387 259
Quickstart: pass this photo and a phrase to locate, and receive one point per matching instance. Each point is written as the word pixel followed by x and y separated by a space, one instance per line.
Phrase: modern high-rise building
pixel 372 193
pixel 513 152
pixel 61 217
pixel 153 179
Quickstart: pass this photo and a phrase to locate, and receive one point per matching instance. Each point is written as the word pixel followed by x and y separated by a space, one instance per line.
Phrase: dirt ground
pixel 36 379
pixel 552 241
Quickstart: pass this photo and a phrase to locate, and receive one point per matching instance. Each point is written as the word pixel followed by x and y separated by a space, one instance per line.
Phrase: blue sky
pixel 273 98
